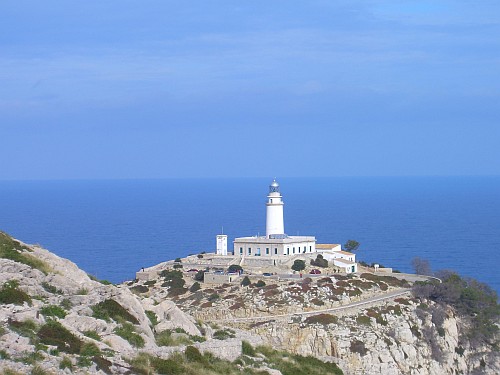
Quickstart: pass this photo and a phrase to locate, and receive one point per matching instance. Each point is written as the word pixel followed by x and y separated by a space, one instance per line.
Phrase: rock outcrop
pixel 54 316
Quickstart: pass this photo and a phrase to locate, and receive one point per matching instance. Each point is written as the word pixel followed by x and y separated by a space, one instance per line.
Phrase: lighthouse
pixel 275 243
pixel 275 226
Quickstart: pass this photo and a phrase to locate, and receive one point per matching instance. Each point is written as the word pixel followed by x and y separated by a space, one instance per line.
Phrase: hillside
pixel 56 319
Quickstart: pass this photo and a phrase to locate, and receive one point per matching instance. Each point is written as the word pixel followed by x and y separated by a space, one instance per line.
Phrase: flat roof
pixel 344 252
pixel 345 261
pixel 326 245
pixel 264 239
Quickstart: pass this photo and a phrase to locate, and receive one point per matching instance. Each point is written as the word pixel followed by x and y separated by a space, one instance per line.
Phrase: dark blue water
pixel 113 228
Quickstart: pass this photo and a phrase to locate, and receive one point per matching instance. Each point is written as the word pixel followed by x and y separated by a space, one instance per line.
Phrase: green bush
pixel 195 287
pixel 90 349
pixel 53 310
pixel 260 284
pixel 127 332
pixel 213 297
pixel 324 319
pixel 473 300
pixel 319 261
pixel 10 294
pixel 224 334
pixel 200 276
pixel 92 334
pixel 110 309
pixel 298 265
pixel 165 338
pixel 104 282
pixel 26 328
pixel 51 288
pixel 246 281
pixel 247 349
pixel 193 354
pixel 84 361
pixel 66 363
pixel 66 304
pixel 37 370
pixel 363 319
pixel 152 317
pixel 290 364
pixel 139 289
pixel 53 333
pixel 4 354
pixel 13 250
pixel 235 268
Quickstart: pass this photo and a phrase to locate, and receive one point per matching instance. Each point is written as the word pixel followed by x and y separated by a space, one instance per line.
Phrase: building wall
pixel 221 244
pixel 215 278
pixel 345 267
pixel 271 249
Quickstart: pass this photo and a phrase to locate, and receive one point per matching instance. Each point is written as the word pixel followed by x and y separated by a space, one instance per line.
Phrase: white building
pixel 221 244
pixel 275 242
pixel 340 258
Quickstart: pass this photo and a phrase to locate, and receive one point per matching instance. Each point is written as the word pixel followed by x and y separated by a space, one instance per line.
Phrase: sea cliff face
pixel 54 319
pixel 386 343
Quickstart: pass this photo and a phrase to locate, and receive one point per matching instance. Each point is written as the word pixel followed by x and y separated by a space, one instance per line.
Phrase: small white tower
pixel 221 244
pixel 274 211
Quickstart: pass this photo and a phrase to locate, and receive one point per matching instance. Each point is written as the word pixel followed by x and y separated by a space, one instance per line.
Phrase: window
pixel 267 251
pixel 310 249
pixel 257 253
pixel 276 251
pixel 294 250
pixel 241 250
pixel 249 251
pixel 287 251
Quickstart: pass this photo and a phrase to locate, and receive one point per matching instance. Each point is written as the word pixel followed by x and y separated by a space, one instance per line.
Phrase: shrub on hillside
pixel 319 261
pixel 195 287
pixel 110 309
pixel 471 299
pixel 127 332
pixel 324 319
pixel 14 250
pixel 298 265
pixel 260 284
pixel 53 310
pixel 11 294
pixel 200 276
pixel 235 268
pixel 53 333
pixel 246 281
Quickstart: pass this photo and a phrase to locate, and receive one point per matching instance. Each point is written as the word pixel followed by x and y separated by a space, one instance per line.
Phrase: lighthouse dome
pixel 274 187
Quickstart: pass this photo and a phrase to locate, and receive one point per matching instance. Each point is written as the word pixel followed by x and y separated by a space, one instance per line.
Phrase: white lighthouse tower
pixel 274 211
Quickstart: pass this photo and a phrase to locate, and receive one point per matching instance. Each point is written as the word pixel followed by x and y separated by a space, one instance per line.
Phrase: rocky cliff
pixel 54 318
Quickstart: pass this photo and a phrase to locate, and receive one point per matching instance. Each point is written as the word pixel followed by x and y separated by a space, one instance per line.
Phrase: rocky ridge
pixel 121 329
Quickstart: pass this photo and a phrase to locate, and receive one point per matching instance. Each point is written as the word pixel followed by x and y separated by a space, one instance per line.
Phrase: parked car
pixel 193 270
pixel 315 272
pixel 266 274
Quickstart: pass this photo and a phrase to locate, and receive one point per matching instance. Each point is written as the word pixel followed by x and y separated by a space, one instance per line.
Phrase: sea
pixel 113 228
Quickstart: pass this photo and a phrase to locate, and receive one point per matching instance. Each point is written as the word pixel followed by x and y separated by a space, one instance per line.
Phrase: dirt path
pixel 375 299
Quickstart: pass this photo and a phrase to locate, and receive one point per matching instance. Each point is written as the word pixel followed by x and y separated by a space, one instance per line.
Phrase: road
pixel 385 296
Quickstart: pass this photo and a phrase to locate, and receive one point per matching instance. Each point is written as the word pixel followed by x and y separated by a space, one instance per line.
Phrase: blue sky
pixel 155 89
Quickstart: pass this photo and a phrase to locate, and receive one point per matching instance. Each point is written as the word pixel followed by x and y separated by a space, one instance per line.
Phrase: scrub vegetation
pixel 471 299
pixel 252 362
pixel 14 250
